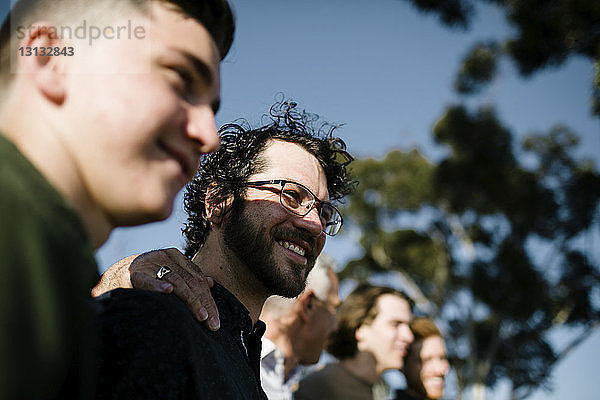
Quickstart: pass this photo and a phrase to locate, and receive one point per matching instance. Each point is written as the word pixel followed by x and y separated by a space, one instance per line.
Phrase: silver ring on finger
pixel 162 271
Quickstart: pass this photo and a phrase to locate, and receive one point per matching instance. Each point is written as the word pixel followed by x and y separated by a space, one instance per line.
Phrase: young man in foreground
pixel 105 109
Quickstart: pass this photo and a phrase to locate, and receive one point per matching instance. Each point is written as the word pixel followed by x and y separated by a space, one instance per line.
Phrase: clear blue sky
pixel 386 72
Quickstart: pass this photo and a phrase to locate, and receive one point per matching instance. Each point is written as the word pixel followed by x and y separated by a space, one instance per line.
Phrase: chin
pixel 434 393
pixel 144 216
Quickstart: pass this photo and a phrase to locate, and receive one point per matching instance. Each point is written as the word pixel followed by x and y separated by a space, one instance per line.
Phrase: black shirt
pixel 153 348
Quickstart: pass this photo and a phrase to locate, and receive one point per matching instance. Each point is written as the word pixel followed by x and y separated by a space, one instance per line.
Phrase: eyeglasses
pixel 299 200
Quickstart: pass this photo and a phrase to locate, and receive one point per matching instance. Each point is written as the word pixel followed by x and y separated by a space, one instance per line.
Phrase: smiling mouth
pixel 182 159
pixel 292 247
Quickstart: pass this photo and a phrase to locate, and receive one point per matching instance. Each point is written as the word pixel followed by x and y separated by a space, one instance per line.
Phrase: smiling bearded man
pixel 245 238
pixel 258 214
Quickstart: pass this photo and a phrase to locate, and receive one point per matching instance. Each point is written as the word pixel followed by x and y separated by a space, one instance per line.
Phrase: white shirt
pixel 272 373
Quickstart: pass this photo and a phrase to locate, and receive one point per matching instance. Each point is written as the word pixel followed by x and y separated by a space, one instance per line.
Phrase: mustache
pixel 299 235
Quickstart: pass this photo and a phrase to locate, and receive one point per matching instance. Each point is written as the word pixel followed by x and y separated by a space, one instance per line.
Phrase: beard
pixel 247 239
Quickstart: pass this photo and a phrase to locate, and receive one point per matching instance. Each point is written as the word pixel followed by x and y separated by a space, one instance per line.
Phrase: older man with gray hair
pixel 297 330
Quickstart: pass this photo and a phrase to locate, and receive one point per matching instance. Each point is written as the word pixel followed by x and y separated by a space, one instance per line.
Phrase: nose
pixel 406 333
pixel 442 366
pixel 201 128
pixel 310 222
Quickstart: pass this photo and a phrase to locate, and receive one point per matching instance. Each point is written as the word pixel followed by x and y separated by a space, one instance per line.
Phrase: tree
pixel 490 241
pixel 546 33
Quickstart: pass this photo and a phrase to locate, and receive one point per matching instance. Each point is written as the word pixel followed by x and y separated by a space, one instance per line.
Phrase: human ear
pixel 306 302
pixel 46 71
pixel 214 207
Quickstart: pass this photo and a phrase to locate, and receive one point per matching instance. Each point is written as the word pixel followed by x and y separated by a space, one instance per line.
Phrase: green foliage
pixel 552 30
pixel 478 68
pixel 493 243
pixel 406 178
pixel 546 33
pixel 461 229
pixel 454 13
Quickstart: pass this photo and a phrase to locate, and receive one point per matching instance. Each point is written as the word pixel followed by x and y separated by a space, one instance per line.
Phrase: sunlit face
pixel 321 323
pixel 388 336
pixel 139 113
pixel 426 367
pixel 278 247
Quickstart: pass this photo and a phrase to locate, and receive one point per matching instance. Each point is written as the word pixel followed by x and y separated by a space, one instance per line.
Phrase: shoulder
pixel 128 305
pixel 145 339
pixel 317 385
pixel 143 334
pixel 325 373
pixel 145 318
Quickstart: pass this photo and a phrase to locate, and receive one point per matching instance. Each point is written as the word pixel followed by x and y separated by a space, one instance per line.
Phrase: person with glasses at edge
pixel 258 214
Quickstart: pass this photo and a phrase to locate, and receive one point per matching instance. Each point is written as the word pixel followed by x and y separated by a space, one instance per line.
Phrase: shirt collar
pixel 233 314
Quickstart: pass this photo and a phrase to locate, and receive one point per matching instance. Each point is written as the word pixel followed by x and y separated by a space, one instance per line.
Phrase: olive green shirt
pixel 47 267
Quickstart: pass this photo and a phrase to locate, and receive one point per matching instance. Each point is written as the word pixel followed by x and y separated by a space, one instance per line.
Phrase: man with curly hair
pixel 259 210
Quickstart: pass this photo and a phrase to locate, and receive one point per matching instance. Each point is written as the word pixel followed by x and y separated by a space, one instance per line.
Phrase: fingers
pixel 142 280
pixel 185 280
pixel 193 288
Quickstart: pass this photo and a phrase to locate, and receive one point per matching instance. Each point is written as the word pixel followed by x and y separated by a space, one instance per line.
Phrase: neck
pixel 232 274
pixel 363 365
pixel 37 140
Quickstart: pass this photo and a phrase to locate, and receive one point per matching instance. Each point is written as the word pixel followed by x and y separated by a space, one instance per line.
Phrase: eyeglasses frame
pixel 282 182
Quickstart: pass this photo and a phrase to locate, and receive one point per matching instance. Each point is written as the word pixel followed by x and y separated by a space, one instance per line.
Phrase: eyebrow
pixel 200 67
pixel 204 71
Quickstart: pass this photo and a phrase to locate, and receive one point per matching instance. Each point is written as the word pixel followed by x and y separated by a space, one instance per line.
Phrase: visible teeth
pixel 293 247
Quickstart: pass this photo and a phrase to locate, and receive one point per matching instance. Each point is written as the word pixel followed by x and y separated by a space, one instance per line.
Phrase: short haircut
pixel 318 282
pixel 215 15
pixel 227 170
pixel 359 308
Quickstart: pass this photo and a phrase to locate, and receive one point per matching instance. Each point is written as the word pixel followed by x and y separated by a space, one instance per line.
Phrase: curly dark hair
pixel 358 309
pixel 227 170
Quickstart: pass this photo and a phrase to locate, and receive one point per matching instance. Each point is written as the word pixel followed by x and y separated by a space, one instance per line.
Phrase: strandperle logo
pixel 87 31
